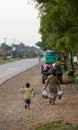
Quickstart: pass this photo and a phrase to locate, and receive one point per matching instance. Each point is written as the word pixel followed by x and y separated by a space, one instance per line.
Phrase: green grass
pixel 57 126
pixel 8 60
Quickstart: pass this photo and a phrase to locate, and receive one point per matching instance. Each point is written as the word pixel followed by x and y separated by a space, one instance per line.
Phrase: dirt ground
pixel 13 115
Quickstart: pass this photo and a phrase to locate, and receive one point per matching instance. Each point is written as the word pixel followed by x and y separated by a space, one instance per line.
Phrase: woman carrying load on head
pixel 53 85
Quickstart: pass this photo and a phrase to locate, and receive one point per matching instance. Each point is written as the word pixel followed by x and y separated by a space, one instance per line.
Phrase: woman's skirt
pixel 52 93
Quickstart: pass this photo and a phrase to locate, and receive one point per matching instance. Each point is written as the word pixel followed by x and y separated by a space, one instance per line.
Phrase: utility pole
pixel 14 40
pixel 5 40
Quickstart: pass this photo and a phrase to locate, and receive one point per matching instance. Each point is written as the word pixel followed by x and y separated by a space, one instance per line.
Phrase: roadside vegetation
pixel 13 52
pixel 57 126
pixel 8 60
pixel 59 26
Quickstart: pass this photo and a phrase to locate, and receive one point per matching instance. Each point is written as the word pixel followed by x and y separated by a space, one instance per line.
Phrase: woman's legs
pixel 54 99
pixel 50 100
pixel 53 95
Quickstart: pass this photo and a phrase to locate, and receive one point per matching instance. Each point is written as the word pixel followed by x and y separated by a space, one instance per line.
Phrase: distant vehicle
pixel 50 56
pixel 8 57
pixel 13 54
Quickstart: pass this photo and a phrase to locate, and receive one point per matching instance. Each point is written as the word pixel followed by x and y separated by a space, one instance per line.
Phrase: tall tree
pixel 59 24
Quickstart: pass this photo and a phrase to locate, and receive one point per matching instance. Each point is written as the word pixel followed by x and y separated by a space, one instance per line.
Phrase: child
pixel 27 95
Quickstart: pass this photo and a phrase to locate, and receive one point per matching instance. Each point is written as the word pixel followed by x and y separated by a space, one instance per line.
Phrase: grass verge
pixel 57 126
pixel 8 60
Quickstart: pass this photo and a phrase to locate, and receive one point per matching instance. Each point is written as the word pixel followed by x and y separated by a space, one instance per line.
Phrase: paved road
pixel 11 69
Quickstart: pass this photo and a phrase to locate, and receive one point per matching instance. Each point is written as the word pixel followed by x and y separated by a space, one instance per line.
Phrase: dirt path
pixel 13 115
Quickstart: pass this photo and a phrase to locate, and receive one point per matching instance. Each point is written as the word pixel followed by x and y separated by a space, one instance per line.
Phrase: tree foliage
pixel 59 24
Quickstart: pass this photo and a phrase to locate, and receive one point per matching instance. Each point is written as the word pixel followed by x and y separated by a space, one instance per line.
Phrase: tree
pixel 59 24
pixel 58 19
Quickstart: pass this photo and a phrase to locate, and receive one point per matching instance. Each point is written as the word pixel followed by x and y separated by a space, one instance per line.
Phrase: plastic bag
pixel 21 90
pixel 44 93
pixel 60 94
pixel 33 92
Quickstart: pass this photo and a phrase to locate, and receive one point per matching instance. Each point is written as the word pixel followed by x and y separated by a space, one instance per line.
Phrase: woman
pixel 53 85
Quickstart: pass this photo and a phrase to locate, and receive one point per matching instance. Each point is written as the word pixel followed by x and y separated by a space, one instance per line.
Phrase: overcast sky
pixel 19 20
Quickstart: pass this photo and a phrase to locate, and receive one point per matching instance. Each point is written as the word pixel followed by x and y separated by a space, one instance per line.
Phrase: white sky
pixel 19 20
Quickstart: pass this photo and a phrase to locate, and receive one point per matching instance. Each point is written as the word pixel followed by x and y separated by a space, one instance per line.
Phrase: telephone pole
pixel 5 40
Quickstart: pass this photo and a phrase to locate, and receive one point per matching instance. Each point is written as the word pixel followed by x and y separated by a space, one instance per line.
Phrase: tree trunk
pixel 71 62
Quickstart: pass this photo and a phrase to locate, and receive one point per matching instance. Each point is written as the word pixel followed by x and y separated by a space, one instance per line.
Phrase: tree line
pixel 58 25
